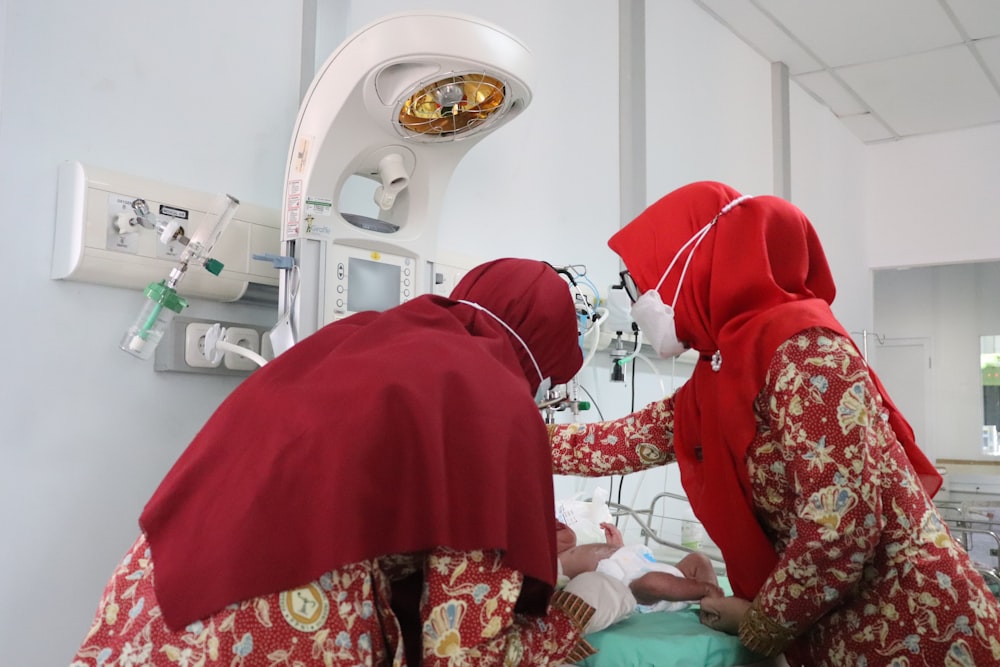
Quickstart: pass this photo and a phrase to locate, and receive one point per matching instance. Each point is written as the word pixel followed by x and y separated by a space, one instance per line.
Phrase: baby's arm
pixel 612 535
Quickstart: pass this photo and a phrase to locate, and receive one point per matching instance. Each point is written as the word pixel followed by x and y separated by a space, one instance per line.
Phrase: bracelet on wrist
pixel 762 635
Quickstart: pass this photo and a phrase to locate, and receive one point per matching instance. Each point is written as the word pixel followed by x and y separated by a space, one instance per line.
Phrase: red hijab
pixel 759 277
pixel 381 433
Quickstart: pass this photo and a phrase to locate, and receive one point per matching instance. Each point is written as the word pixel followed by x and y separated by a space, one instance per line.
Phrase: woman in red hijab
pixel 370 497
pixel 792 455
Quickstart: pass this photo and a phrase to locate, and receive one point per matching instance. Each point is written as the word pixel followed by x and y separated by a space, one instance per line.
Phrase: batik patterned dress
pixel 868 573
pixel 343 618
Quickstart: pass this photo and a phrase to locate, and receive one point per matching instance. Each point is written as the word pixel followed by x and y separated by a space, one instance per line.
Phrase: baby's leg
pixel 698 566
pixel 653 587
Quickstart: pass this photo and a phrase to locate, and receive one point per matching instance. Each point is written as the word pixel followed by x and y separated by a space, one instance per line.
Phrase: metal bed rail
pixel 644 518
pixel 967 519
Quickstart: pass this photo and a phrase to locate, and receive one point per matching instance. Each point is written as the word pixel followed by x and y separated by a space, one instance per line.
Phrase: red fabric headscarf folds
pixel 759 277
pixel 381 433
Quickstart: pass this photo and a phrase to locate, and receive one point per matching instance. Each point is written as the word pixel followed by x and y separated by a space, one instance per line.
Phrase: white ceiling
pixel 889 69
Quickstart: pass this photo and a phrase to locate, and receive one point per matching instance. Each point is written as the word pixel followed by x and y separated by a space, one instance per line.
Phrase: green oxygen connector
pixel 583 405
pixel 213 266
pixel 165 296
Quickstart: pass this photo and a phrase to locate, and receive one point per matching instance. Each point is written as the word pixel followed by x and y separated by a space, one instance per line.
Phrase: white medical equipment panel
pixel 95 243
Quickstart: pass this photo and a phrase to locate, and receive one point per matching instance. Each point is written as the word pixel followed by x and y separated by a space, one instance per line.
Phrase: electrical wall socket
pixel 181 349
pixel 194 346
pixel 244 337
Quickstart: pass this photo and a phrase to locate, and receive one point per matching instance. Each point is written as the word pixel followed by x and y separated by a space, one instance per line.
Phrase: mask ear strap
pixel 697 239
pixel 676 257
pixel 542 380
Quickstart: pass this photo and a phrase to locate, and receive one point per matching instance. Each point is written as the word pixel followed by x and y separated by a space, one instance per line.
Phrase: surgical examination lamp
pixel 399 103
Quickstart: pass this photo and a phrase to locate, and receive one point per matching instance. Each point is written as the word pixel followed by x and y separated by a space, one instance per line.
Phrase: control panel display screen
pixel 372 285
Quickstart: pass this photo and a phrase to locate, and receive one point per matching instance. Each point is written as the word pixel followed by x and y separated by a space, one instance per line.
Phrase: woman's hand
pixel 723 613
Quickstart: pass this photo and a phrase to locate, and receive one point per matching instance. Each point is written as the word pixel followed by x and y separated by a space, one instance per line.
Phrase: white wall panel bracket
pixel 94 241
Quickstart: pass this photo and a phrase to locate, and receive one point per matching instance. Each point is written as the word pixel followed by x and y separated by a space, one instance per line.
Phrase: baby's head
pixel 584 558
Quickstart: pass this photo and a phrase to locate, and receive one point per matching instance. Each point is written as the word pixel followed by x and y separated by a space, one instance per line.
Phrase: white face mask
pixel 656 319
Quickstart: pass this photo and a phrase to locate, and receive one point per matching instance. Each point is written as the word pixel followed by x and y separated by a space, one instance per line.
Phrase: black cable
pixel 563 271
pixel 600 415
pixel 635 351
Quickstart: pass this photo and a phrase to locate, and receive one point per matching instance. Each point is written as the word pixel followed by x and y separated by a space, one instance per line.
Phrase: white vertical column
pixel 780 132
pixel 631 108
pixel 307 54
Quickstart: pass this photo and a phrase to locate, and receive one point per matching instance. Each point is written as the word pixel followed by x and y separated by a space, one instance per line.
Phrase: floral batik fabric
pixel 868 569
pixel 868 572
pixel 342 618
pixel 335 620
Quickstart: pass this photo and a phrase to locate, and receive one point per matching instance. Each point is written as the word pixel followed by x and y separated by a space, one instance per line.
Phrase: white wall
pixel 708 113
pixel 829 183
pixel 949 307
pixel 195 94
pixel 204 95
pixel 932 200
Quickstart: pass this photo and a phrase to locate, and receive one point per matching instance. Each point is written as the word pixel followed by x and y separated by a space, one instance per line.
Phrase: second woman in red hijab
pixel 790 451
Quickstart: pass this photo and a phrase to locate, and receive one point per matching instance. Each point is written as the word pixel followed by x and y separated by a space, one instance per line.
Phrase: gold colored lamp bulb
pixel 452 105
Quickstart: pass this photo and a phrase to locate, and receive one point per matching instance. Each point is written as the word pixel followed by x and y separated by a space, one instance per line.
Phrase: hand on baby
pixel 714 591
pixel 723 613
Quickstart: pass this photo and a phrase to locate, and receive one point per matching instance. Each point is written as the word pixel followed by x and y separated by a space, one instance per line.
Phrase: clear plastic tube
pixel 203 240
pixel 205 237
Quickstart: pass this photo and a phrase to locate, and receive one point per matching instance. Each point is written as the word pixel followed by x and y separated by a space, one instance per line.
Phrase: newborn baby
pixel 655 585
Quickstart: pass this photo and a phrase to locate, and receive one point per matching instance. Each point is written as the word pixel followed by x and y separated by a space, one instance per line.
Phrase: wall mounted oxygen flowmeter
pixel 162 300
pixel 119 230
pixel 100 238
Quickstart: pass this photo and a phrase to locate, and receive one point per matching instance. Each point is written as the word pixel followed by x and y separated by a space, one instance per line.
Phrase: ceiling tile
pixel 867 128
pixel 979 18
pixel 757 30
pixel 847 32
pixel 941 90
pixel 989 49
pixel 825 87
